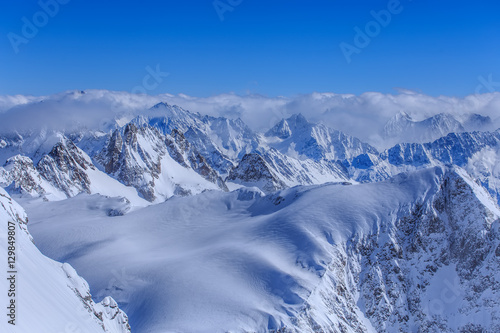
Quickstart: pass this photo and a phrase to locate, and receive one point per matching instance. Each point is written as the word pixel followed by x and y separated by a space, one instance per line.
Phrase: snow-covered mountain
pixel 194 223
pixel 299 138
pixel 170 151
pixel 49 296
pixel 402 128
pixel 474 151
pixel 416 253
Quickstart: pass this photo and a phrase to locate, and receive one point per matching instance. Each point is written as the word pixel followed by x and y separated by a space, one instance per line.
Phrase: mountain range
pixel 299 228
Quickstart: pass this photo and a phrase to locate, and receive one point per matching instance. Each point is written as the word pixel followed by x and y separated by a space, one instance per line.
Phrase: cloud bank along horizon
pixel 363 116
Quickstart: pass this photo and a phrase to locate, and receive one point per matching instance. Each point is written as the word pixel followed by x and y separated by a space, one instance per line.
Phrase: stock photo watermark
pixel 451 293
pixel 486 85
pixel 150 81
pixel 119 286
pixel 31 27
pixel 373 28
pixel 223 6
pixel 11 273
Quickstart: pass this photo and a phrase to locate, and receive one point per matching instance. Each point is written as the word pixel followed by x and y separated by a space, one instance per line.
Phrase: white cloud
pixel 360 115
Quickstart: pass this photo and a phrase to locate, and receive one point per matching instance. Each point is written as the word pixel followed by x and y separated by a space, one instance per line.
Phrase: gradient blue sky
pixel 265 47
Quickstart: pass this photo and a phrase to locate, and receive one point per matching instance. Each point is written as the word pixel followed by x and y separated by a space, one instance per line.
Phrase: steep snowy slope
pixel 219 140
pixel 33 144
pixel 50 296
pixel 271 170
pixel 158 166
pixel 299 138
pixel 416 253
pixel 485 166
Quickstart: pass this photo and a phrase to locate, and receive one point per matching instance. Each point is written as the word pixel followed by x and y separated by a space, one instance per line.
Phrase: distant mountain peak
pixel 281 130
pixel 160 105
pixel 403 128
pixel 402 115
pixel 298 120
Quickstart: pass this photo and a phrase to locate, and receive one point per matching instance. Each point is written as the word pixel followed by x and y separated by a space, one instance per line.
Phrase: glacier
pixel 418 252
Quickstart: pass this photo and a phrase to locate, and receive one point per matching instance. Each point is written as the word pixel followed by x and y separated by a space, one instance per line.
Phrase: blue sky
pixel 273 48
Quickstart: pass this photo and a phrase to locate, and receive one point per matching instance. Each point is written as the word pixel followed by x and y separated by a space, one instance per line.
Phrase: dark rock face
pixel 20 176
pixel 134 162
pixel 65 168
pixel 363 161
pixel 135 158
pixel 114 150
pixel 430 266
pixel 185 154
pixel 253 169
pixel 452 231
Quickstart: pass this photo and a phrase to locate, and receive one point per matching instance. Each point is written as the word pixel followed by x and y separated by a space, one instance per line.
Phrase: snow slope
pixel 339 258
pixel 50 297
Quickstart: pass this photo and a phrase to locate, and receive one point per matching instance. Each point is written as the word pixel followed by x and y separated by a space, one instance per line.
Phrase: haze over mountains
pixel 298 225
pixel 165 150
pixel 363 116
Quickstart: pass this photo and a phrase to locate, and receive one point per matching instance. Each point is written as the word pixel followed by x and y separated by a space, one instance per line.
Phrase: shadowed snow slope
pixel 336 258
pixel 51 297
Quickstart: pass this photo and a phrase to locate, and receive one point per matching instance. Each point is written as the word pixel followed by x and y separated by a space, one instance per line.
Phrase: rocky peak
pixel 280 130
pixel 477 122
pixel 65 168
pixel 19 175
pixel 66 155
pixel 114 150
pixel 180 139
pixel 130 134
pixel 253 170
pixel 187 155
pixel 298 121
pixel 160 105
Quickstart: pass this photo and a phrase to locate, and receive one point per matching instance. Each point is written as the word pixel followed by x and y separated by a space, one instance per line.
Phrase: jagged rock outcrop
pixel 430 266
pixel 114 150
pixel 65 167
pixel 19 175
pixel 107 313
pixel 185 154
pixel 142 157
pixel 61 173
pixel 134 158
pixel 253 170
